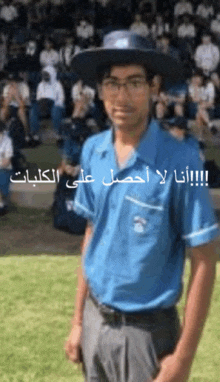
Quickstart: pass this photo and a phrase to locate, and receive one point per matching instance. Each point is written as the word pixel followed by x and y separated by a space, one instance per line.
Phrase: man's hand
pixel 173 369
pixel 73 344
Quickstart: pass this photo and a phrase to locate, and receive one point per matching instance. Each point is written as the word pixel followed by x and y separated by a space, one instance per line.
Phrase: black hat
pixel 180 122
pixel 125 47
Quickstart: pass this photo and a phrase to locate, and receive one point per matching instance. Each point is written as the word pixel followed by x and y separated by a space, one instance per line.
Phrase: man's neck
pixel 129 138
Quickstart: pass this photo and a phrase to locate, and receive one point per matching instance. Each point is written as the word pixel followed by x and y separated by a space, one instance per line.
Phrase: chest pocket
pixel 145 218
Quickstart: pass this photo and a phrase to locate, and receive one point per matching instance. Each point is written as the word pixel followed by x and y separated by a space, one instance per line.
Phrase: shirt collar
pixel 147 148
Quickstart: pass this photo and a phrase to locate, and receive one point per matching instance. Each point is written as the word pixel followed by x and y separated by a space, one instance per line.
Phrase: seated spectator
pixel 171 101
pixel 207 55
pixel 16 100
pixel 75 135
pixel 201 94
pixel 139 27
pixel 178 128
pixel 36 14
pixel 6 154
pixel 205 10
pixel 84 30
pixel 215 27
pixel 14 54
pixel 64 216
pixel 49 56
pixel 30 61
pixel 163 43
pixel 8 14
pixel 186 33
pixel 83 99
pixel 186 29
pixel 157 86
pixel 159 27
pixel 49 102
pixel 31 58
pixel 206 108
pixel 183 6
pixel 66 53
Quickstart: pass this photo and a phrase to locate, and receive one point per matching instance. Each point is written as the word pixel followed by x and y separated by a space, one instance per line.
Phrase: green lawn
pixel 37 297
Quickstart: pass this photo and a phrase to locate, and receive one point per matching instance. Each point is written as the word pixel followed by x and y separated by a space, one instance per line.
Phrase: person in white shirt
pixel 205 10
pixel 201 95
pixel 139 27
pixel 8 12
pixel 16 100
pixel 84 31
pixel 159 27
pixel 6 154
pixel 183 6
pixel 49 56
pixel 206 108
pixel 83 99
pixel 207 55
pixel 50 99
pixel 66 53
pixel 186 33
pixel 186 29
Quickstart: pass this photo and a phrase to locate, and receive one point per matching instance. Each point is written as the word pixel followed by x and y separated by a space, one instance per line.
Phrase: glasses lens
pixel 134 86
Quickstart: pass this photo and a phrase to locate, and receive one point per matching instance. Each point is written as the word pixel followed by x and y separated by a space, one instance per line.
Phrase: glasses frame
pixel 134 86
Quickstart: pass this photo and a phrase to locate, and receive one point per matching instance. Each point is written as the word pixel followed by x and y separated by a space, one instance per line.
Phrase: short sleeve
pixel 8 154
pixel 198 221
pixel 73 93
pixel 5 91
pixel 84 199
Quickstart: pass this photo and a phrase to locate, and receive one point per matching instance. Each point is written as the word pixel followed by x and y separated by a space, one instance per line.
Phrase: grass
pixel 37 297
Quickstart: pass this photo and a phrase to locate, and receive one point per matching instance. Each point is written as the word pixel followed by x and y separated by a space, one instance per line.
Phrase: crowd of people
pixel 39 38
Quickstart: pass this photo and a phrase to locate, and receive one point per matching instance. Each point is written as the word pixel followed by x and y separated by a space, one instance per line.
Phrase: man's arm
pixel 176 367
pixel 73 344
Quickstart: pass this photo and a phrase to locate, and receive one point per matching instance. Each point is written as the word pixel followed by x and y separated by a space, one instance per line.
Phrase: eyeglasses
pixel 133 86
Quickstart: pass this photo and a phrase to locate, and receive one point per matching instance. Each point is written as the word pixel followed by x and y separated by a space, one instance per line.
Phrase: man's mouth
pixel 123 110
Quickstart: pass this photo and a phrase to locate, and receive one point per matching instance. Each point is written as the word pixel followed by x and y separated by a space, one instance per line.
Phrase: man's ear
pixel 99 90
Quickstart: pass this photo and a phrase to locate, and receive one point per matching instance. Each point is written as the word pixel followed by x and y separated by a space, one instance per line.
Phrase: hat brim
pixel 87 62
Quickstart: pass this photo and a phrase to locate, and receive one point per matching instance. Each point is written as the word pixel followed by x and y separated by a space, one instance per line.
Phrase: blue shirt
pixel 136 256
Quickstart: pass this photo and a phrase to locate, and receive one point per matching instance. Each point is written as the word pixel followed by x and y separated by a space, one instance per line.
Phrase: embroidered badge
pixel 140 224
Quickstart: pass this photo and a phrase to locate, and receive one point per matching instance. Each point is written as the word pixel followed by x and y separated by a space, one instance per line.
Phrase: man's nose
pixel 123 92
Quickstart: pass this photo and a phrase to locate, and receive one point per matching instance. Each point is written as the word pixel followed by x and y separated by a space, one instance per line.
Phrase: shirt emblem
pixel 139 224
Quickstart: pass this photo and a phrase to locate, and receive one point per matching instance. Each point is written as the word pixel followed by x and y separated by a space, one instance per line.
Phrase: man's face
pixel 69 40
pixel 127 109
pixel 47 45
pixel 206 40
pixel 197 80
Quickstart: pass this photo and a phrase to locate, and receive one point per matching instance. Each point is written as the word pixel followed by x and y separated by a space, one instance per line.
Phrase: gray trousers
pixel 119 352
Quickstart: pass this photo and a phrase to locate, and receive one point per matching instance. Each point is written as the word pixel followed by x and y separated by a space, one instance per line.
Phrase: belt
pixel 149 317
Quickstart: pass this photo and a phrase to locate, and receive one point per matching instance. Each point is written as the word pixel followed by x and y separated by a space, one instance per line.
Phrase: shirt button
pixel 113 205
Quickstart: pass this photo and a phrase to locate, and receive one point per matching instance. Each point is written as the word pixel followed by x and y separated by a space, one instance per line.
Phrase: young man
pixel 140 219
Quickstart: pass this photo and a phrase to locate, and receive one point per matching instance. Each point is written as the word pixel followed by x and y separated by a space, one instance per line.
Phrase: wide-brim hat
pixel 125 47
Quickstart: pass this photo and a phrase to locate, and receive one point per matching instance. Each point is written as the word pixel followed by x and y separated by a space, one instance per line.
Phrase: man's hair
pixel 165 35
pixel 105 70
pixel 198 73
